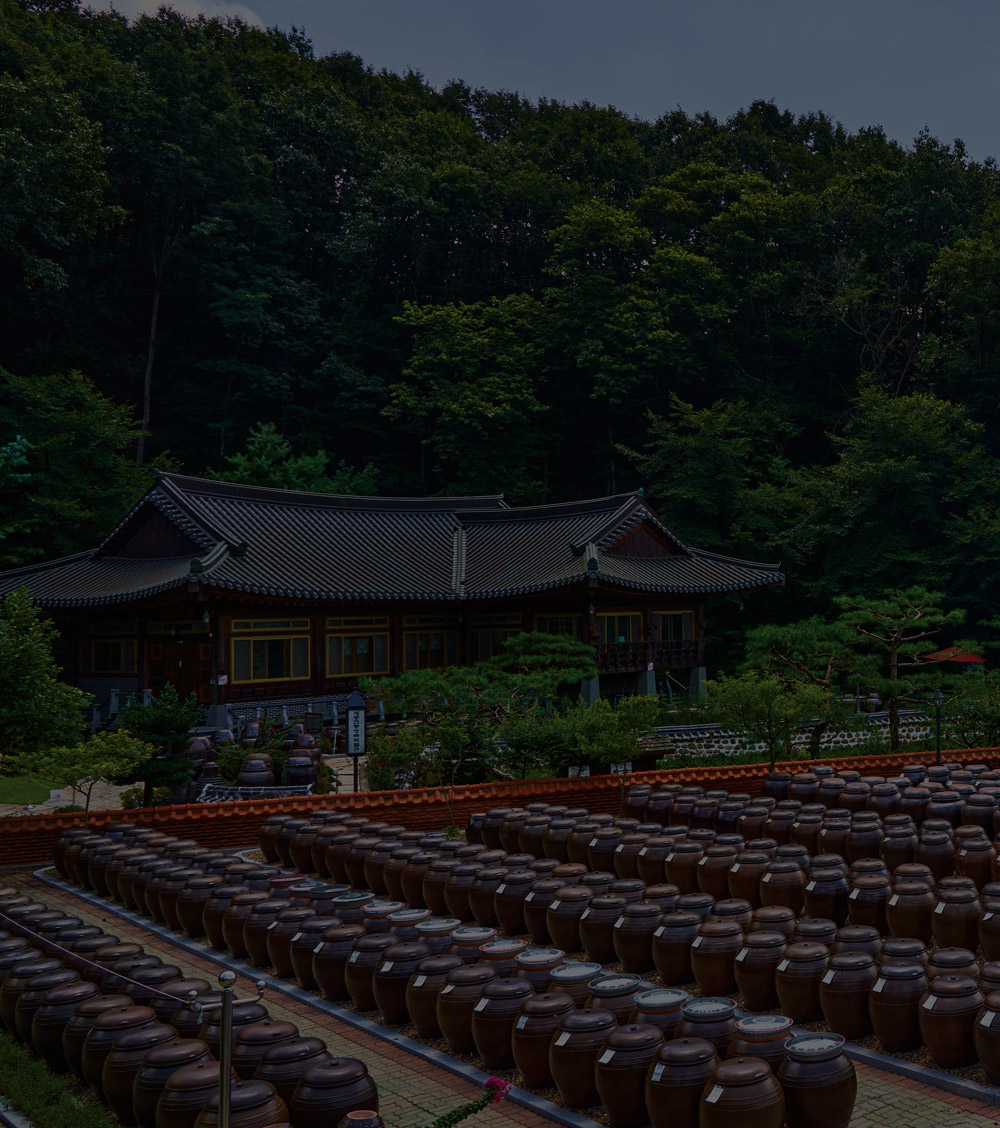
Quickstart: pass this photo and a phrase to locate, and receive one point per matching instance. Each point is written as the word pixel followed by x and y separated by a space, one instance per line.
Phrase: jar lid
pixel 574 972
pixel 708 1009
pixel 503 948
pixel 539 957
pixel 952 957
pixel 814 1047
pixel 661 999
pixel 634 1036
pixel 737 1071
pixel 352 900
pixel 686 1051
pixel 437 926
pixel 765 939
pixel 508 989
pixel 953 986
pixel 762 1027
pixel 607 986
pixel 380 908
pixel 851 961
pixel 901 971
pixel 587 1021
pixel 473 934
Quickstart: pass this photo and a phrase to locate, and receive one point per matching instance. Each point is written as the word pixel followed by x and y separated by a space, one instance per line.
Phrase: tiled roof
pixel 319 546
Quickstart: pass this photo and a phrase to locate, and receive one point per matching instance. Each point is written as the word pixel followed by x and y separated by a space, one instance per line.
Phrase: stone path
pixel 414 1092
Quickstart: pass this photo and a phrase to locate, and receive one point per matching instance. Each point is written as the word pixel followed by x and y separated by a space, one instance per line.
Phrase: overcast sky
pixel 901 64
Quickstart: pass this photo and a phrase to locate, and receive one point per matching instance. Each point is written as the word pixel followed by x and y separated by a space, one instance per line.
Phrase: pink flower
pixel 497 1089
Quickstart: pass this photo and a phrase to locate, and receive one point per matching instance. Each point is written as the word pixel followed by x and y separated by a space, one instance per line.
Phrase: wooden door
pixel 184 663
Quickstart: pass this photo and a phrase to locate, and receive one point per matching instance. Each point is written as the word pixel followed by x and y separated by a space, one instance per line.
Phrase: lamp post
pixel 938 702
pixel 225 1004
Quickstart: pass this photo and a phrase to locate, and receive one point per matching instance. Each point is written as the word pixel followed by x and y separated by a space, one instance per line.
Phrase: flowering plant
pixel 494 1091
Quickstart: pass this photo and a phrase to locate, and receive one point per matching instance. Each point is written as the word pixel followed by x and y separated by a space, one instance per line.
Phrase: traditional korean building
pixel 239 594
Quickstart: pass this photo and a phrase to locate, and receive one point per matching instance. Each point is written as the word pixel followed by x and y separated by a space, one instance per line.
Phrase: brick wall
pixel 28 840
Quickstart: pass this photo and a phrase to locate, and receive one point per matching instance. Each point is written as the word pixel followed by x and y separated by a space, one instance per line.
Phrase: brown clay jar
pixel 123 1063
pixel 490 826
pixel 456 1000
pixel 713 956
pixel 535 966
pixel 253 1104
pixel 712 874
pixel 234 917
pixel 935 850
pixel 797 979
pixel 563 916
pixel 783 883
pixel 185 1092
pixel 649 859
pixel 986 1036
pixel 31 998
pixel 79 1026
pixel 282 1065
pixel 147 982
pixel 754 968
pixel 710 1018
pixel 398 964
pixel 330 959
pixel 866 903
pixel 57 1007
pixel 952 961
pixel 214 912
pixel 436 933
pixel 159 1063
pixel 825 894
pixel 279 939
pixel 856 938
pixel 359 969
pixel 244 1013
pixel 660 1007
pixel 252 1040
pixel 909 910
pixel 680 866
pixel 537 1020
pixel 481 895
pixel 955 920
pixel 536 904
pixel 761 1036
pixel 422 991
pixel 508 900
pixel 675 1081
pixel 493 1018
pixel 903 949
pixel 354 861
pixel 947 1017
pixel 844 992
pixel 819 1082
pixel 104 1032
pixel 742 1089
pixel 596 927
pixel 894 1006
pixel 671 948
pixel 466 940
pixel 743 878
pixel 301 944
pixel 573 1053
pixel 573 980
pixel 191 902
pixel 16 982
pixel 456 891
pixel 620 1073
pixel 632 936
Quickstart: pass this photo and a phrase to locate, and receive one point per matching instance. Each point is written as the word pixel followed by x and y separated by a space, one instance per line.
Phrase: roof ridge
pixel 187 485
pixel 737 560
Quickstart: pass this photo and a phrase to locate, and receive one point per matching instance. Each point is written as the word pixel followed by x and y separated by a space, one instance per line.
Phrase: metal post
pixel 355 759
pixel 227 979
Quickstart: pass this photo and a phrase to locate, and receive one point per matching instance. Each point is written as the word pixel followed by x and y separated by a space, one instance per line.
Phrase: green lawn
pixel 14 789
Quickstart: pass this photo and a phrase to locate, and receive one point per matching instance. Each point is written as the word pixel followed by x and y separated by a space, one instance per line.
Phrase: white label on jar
pixel 928 1003
pixel 987 1019
pixel 734 868
pixel 714 1095
pixel 521 1023
pixel 295 937
pixel 618 849
pixel 555 904
pixel 317 948
pixel 939 907
pixel 741 955
pixel 273 924
pixel 811 886
pixel 878 985
pixel 702 861
pixel 855 893
pixel 894 899
pixel 619 922
pixel 669 858
pixel 530 897
pixel 766 878
pixel 642 852
pixel 962 853
pixel 563 1038
pixel 420 981
pixel 352 958
pixel 585 914
pixel 386 966
pixel 658 1071
pixel 501 888
pixel 828 978
pixel 481 1005
pixel 696 942
pixel 660 931
pixel 987 916
pixel 782 965
pixel 592 842
pixel 447 988
pixel 605 1057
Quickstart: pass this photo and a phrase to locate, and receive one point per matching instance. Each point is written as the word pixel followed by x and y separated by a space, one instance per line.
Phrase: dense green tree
pixel 102 758
pixel 38 711
pixel 165 726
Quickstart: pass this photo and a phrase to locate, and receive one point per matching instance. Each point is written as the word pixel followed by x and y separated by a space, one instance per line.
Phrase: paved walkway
pixel 414 1092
